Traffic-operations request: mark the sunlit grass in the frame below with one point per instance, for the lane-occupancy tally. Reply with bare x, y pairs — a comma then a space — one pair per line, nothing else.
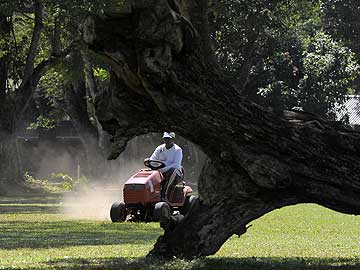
45, 240
33, 235
298, 231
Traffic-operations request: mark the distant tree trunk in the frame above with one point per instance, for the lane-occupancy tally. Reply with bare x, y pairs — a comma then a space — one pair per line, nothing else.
38, 27
9, 164
24, 94
257, 160
9, 167
94, 92
248, 51
56, 38
76, 108
5, 30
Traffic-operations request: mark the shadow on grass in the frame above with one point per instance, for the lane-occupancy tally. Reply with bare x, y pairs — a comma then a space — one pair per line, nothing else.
56, 198
207, 264
34, 209
20, 205
35, 230
20, 234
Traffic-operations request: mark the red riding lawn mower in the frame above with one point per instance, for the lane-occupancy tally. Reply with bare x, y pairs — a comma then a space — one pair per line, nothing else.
145, 201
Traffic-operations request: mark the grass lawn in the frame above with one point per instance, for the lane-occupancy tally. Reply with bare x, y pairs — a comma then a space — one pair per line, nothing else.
34, 235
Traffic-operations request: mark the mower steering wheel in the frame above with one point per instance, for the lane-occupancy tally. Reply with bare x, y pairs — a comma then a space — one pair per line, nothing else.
154, 164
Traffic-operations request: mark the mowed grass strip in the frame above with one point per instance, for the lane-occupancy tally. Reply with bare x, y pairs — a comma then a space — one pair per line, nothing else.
35, 236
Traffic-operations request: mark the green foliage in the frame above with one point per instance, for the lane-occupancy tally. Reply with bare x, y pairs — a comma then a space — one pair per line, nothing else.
81, 8
302, 16
32, 181
68, 182
50, 94
330, 71
293, 63
3, 45
42, 122
342, 20
101, 74
58, 182
238, 24
316, 74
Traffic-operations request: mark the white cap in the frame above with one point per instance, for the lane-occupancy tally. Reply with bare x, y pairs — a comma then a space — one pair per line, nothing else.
170, 135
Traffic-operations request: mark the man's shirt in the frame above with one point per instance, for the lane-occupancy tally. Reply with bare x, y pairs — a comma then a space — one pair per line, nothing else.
170, 157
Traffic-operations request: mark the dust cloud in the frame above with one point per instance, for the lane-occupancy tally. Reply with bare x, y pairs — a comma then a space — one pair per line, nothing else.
91, 203
94, 200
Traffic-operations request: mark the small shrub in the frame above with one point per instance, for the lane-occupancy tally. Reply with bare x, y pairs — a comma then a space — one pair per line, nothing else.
58, 182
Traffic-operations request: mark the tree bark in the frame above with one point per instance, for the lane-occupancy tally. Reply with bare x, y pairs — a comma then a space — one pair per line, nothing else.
9, 164
257, 160
38, 27
56, 38
5, 30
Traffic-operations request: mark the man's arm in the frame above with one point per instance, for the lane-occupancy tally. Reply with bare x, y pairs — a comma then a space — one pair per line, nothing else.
155, 155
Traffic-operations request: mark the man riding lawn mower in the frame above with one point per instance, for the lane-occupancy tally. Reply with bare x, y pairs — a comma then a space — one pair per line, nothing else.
157, 192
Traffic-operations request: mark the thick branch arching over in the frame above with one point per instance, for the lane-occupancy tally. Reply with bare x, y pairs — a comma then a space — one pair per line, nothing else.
259, 160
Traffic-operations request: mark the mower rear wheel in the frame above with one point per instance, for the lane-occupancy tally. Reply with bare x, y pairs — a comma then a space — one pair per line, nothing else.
118, 212
162, 211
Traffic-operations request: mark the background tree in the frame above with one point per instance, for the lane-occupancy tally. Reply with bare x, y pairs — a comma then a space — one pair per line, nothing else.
276, 47
341, 20
36, 37
19, 86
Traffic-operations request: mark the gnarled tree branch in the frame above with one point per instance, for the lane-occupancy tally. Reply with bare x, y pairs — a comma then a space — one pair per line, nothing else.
258, 160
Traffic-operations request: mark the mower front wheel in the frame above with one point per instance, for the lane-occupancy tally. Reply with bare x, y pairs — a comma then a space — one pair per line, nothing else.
118, 212
162, 211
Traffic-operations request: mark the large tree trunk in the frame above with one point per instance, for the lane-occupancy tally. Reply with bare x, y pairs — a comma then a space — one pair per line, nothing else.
257, 160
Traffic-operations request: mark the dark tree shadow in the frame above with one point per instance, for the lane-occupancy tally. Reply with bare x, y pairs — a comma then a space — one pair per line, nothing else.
34, 209
62, 233
30, 204
59, 234
263, 263
31, 199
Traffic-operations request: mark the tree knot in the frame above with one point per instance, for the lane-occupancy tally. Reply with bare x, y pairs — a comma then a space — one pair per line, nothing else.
225, 155
268, 172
